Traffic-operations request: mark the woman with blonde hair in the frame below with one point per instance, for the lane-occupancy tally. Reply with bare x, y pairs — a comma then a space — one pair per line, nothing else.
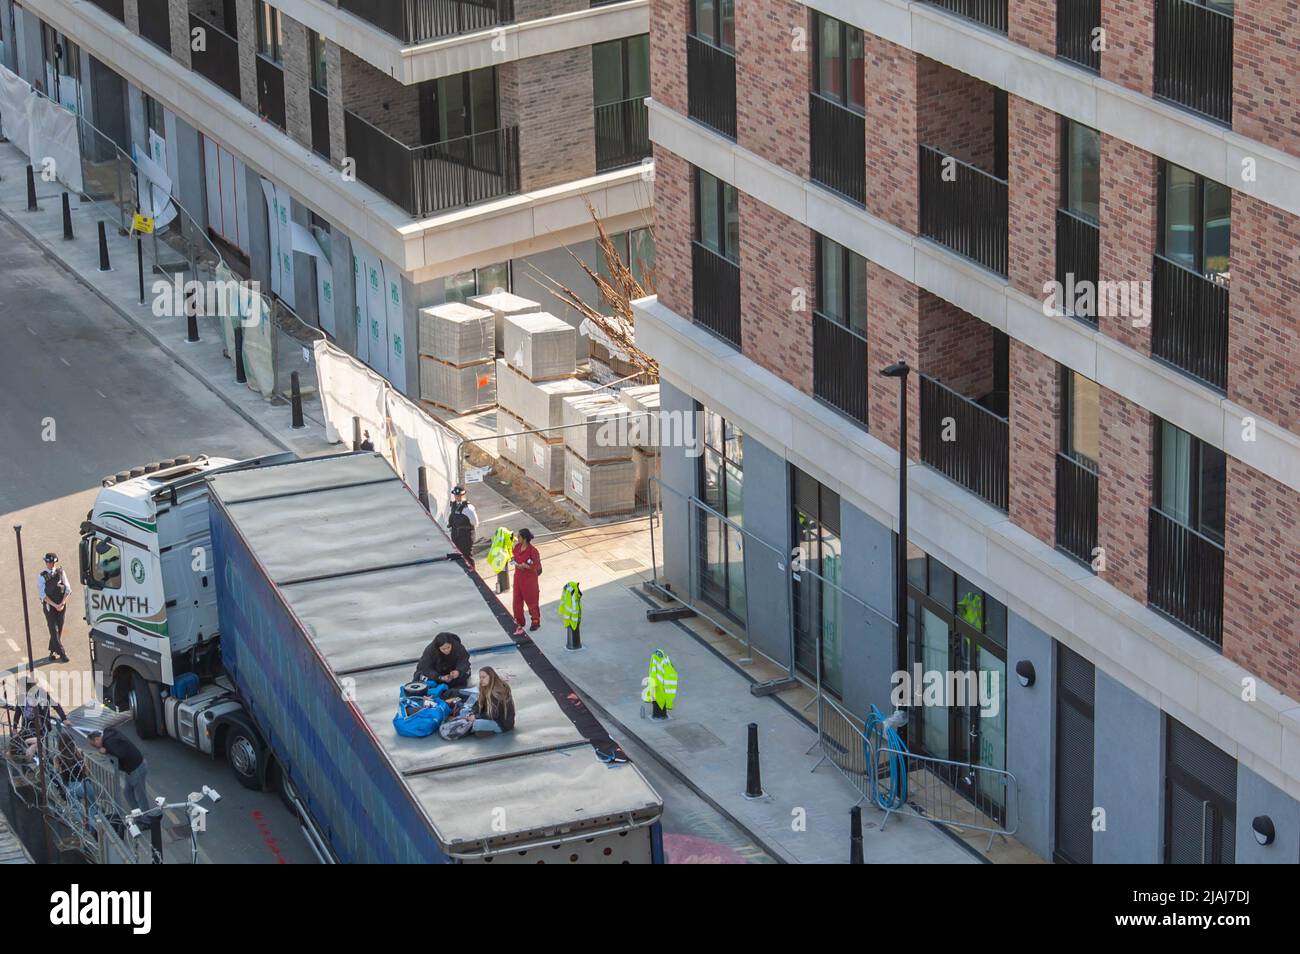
494, 707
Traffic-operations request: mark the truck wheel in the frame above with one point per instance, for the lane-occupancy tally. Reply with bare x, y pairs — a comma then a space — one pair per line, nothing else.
140, 698
245, 756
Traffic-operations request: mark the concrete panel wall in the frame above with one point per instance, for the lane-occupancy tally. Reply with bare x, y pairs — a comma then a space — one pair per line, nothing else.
1030, 732
868, 631
1257, 797
1128, 776
767, 516
345, 318
678, 473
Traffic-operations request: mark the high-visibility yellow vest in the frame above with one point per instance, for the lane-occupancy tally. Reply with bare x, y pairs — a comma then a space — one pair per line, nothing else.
503, 545
571, 605
661, 687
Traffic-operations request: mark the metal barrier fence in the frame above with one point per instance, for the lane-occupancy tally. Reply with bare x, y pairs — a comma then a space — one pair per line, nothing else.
78, 793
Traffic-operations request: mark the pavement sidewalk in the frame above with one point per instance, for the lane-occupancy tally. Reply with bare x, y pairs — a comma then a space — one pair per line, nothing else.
806, 816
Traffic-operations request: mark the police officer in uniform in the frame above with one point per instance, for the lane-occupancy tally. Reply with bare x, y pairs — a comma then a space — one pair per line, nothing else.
462, 521
54, 589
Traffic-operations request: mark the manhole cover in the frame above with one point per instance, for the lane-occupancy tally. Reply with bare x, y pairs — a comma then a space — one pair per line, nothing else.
692, 736
625, 564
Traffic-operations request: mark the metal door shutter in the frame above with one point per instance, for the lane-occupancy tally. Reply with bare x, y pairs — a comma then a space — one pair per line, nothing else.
1075, 693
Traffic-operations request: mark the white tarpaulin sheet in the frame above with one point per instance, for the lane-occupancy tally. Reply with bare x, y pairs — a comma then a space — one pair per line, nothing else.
53, 135
15, 109
155, 187
359, 288
259, 341
407, 436
349, 389
305, 242
273, 234
420, 441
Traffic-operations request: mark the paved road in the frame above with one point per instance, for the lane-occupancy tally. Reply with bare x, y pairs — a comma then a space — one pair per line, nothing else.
74, 370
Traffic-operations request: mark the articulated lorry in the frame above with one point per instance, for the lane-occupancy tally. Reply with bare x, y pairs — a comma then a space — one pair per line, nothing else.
269, 610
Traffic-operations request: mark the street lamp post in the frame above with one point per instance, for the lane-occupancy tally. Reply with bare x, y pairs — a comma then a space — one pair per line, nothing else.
899, 369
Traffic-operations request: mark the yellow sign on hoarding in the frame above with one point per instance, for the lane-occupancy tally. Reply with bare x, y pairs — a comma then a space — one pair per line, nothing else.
142, 223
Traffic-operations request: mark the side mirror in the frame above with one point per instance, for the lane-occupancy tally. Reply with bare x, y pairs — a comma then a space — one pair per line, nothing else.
83, 560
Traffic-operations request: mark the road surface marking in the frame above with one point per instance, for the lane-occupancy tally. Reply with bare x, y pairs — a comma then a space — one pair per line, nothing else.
65, 361
13, 647
101, 394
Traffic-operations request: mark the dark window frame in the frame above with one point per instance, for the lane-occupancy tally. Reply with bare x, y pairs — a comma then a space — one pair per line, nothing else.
270, 48
624, 44
719, 42
1065, 382
317, 63
1196, 466
721, 224
725, 462
1065, 139
1200, 184
846, 75
846, 291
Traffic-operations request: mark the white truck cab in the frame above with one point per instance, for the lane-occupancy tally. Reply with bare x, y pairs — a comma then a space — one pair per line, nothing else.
151, 602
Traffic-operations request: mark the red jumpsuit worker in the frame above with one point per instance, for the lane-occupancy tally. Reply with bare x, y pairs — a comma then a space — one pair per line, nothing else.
528, 567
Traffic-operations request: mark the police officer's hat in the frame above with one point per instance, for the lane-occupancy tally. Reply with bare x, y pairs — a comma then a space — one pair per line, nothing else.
457, 490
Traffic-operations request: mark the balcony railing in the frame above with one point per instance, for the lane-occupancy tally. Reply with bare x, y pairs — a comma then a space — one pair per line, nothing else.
155, 22
838, 148
715, 282
1193, 58
1076, 507
840, 367
964, 208
114, 8
711, 85
218, 61
320, 123
424, 180
965, 442
1185, 576
1078, 250
622, 133
415, 21
1076, 40
991, 13
270, 91
1189, 322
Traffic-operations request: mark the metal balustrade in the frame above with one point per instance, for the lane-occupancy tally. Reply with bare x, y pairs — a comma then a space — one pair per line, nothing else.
965, 442
964, 208
711, 85
715, 281
840, 367
838, 148
1189, 322
1076, 507
416, 21
1193, 58
1185, 576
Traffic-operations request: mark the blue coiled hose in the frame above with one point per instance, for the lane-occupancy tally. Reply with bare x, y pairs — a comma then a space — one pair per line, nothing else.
877, 735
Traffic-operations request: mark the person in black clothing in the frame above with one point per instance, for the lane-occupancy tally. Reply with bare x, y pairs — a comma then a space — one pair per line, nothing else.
130, 762
462, 521
366, 443
54, 589
444, 660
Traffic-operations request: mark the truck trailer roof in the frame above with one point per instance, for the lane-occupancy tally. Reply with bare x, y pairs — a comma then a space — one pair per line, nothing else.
371, 579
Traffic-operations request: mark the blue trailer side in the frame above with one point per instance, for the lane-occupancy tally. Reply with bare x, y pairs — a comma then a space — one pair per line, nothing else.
352, 793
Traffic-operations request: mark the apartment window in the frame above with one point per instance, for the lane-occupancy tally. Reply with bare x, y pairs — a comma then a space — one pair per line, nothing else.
153, 116
621, 69
1191, 481
1081, 170
452, 107
1080, 417
1195, 220
721, 542
842, 285
316, 52
270, 32
715, 21
717, 216
838, 71
463, 286
636, 249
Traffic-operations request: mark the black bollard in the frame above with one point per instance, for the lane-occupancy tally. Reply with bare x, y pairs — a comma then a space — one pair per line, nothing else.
573, 638
31, 191
103, 249
192, 315
240, 374
356, 433
424, 488
753, 784
855, 835
296, 387
139, 263
67, 219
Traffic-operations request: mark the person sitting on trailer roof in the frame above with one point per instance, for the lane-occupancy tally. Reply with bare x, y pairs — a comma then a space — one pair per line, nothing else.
445, 660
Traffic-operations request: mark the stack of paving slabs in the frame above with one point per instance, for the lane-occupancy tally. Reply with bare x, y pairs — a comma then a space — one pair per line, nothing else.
605, 351
599, 471
502, 304
512, 443
642, 401
457, 369
540, 346
539, 406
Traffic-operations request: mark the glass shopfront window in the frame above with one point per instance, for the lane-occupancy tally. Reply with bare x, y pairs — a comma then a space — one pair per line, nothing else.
817, 572
720, 543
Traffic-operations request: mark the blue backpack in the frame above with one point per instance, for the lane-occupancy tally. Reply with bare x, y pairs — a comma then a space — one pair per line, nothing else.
420, 716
